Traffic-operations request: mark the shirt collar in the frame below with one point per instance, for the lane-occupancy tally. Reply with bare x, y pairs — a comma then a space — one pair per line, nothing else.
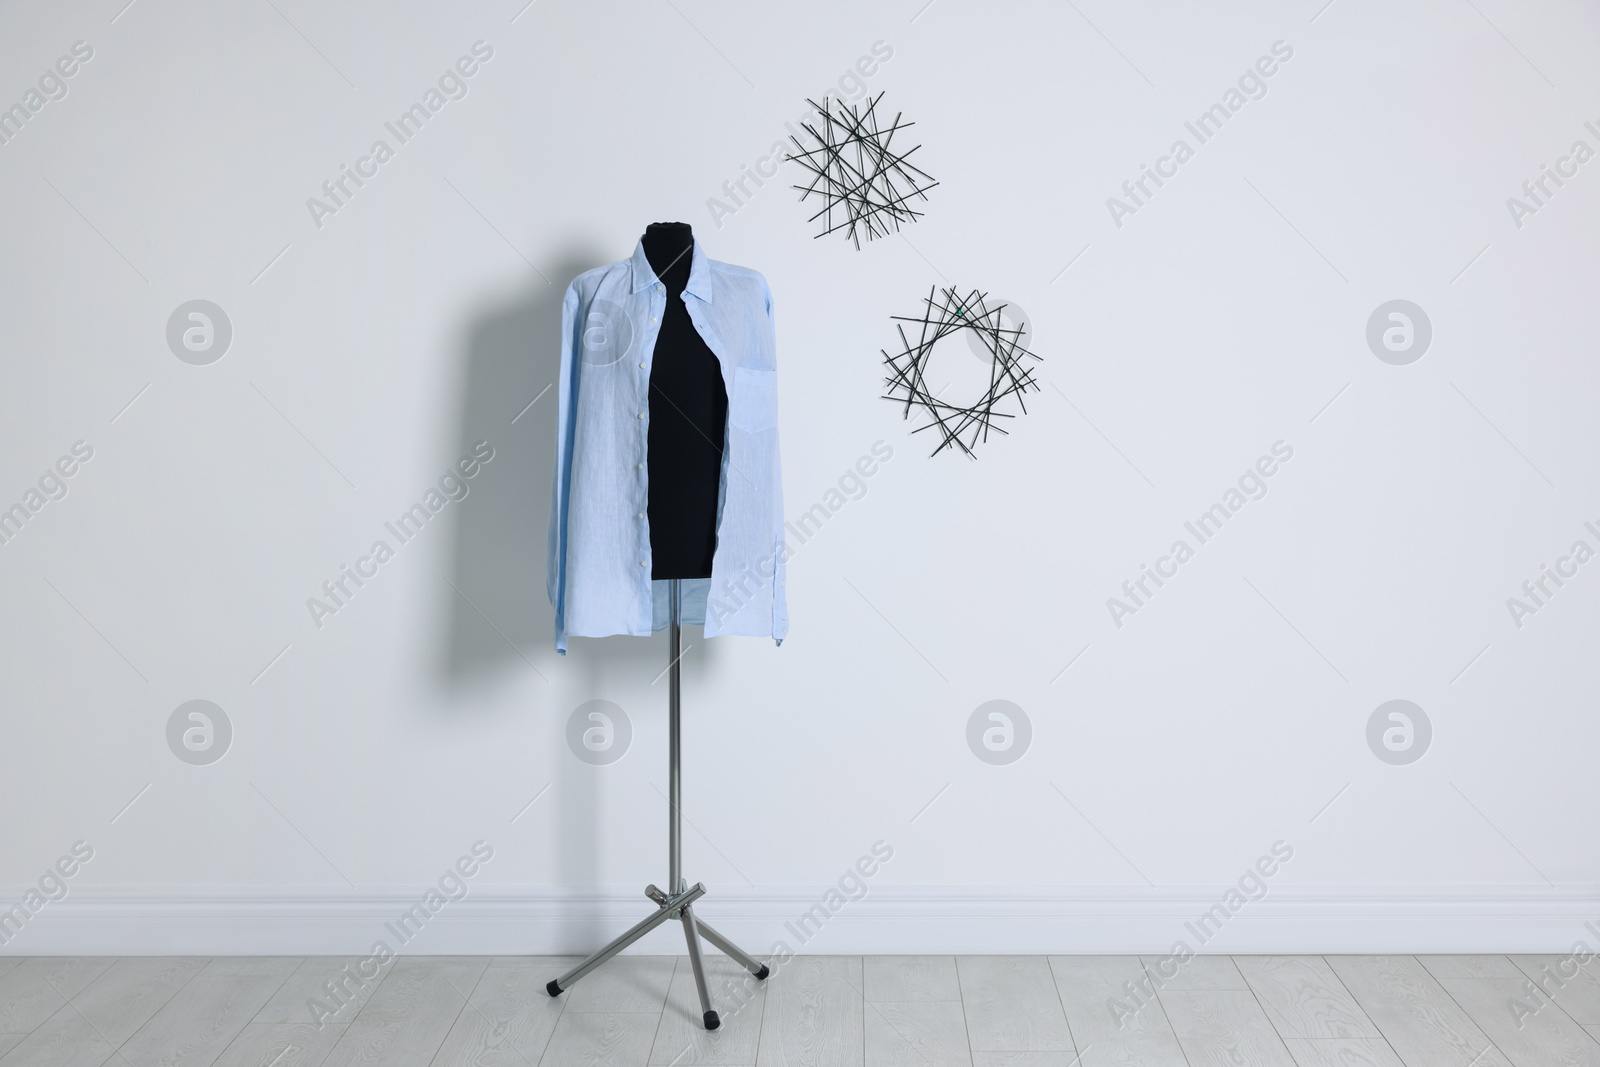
644, 275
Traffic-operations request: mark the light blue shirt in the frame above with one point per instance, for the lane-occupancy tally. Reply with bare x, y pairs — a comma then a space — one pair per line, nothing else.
599, 549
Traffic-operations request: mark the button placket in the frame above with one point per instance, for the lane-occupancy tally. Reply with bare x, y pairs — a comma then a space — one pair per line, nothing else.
644, 365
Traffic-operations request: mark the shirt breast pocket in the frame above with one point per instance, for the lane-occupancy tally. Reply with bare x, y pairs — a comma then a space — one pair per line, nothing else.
754, 405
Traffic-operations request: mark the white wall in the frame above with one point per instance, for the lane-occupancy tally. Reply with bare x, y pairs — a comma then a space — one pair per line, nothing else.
1227, 314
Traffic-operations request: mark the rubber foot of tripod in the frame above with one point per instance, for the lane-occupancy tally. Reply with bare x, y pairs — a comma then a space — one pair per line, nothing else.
763, 972
553, 988
712, 1022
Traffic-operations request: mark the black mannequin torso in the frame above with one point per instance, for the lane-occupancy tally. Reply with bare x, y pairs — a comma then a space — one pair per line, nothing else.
688, 416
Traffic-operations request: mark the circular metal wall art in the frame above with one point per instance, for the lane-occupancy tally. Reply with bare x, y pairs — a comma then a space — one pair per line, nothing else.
947, 312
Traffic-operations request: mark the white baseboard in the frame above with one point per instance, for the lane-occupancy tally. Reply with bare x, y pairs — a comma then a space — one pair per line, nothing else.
503, 920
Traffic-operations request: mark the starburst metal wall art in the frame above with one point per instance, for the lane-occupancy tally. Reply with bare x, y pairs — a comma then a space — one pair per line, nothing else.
865, 183
946, 313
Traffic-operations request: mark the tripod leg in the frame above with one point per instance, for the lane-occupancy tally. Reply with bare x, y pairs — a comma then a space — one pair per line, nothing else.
692, 935
559, 985
756, 968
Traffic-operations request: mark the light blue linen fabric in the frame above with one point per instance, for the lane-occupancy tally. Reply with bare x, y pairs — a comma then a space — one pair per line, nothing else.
599, 545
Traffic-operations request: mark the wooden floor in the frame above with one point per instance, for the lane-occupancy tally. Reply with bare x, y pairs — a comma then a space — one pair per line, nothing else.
819, 1011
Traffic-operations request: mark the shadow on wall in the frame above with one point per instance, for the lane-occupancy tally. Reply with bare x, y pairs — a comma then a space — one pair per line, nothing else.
501, 616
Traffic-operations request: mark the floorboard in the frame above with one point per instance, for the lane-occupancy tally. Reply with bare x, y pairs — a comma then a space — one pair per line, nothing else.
199, 1022
1012, 1004
916, 1033
1546, 1037
37, 988
409, 1015
289, 1044
813, 1014
509, 1018
814, 1011
1342, 1052
1223, 1027
895, 979
740, 1000
1420, 1020
601, 1039
1114, 1014
132, 990
1575, 987
1305, 999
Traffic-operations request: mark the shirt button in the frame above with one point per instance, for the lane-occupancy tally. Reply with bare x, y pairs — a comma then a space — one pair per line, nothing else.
641, 366
642, 563
641, 515
654, 319
641, 414
641, 466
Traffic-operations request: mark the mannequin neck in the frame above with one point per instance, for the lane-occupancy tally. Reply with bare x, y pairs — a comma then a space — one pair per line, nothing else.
668, 246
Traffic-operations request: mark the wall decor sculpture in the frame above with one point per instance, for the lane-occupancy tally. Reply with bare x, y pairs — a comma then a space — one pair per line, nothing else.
865, 183
946, 312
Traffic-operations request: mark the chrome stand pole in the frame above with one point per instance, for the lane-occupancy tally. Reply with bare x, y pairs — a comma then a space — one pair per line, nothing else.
674, 904
674, 741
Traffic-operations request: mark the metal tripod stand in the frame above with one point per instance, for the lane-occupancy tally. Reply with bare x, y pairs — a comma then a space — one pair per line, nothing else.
674, 905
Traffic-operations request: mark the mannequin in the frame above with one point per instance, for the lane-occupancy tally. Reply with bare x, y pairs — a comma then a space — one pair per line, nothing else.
688, 413
688, 419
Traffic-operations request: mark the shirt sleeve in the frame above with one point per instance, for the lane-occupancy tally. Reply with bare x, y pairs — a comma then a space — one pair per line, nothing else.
561, 482
780, 549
